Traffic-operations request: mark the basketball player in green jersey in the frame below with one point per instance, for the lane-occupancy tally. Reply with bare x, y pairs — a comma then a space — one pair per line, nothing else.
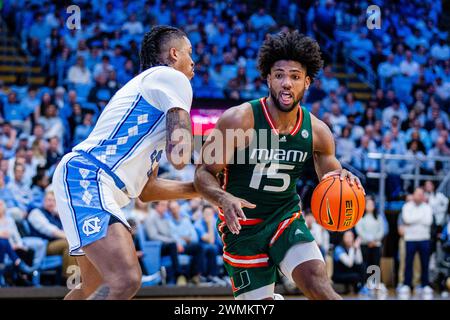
254, 184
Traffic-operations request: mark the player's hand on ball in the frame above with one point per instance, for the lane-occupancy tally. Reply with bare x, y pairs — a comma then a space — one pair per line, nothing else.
343, 173
232, 211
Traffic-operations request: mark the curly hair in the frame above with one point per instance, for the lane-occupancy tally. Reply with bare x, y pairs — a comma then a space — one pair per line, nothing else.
290, 46
155, 43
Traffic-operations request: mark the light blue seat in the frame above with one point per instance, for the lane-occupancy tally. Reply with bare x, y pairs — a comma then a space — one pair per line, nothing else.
151, 258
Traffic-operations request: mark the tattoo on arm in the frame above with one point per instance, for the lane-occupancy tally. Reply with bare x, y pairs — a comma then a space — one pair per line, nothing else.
101, 293
176, 119
179, 142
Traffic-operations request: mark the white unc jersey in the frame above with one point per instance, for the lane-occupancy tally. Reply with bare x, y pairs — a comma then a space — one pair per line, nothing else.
130, 134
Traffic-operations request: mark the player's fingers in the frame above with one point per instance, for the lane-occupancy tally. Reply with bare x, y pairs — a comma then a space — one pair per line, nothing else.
246, 204
231, 226
352, 179
236, 214
241, 214
233, 222
343, 174
358, 183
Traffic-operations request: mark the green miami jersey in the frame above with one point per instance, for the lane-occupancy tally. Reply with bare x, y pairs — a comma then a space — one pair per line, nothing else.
265, 173
273, 163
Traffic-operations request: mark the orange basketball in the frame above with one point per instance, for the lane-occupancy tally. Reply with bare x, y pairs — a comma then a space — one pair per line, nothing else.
336, 205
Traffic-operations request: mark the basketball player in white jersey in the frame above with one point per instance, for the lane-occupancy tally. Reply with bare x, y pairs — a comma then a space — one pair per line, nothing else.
118, 162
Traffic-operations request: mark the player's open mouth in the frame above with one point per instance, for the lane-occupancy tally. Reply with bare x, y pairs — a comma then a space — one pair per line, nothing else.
286, 97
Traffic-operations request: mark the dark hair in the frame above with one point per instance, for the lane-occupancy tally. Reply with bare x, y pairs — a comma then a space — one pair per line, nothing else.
207, 206
38, 177
153, 45
290, 46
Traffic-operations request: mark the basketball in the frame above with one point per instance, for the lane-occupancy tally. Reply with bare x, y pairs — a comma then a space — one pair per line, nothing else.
336, 205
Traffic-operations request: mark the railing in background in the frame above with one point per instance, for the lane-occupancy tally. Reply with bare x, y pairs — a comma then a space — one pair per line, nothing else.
363, 72
416, 176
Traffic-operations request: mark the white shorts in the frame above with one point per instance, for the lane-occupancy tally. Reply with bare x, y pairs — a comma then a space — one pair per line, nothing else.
86, 197
296, 255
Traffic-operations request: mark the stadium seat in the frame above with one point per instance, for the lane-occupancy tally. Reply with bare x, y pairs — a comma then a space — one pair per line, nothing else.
151, 258
50, 264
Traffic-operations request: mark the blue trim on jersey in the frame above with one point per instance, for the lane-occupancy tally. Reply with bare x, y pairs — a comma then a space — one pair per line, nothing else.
125, 116
118, 125
68, 196
136, 145
140, 120
85, 201
118, 182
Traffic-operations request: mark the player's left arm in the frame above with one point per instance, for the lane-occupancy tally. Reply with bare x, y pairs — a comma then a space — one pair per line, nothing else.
324, 149
157, 189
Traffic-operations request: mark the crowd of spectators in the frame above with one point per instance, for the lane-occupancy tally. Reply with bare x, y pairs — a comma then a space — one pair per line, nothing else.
408, 112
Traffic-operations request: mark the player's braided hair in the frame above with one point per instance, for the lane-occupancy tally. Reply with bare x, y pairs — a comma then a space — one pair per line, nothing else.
154, 44
290, 46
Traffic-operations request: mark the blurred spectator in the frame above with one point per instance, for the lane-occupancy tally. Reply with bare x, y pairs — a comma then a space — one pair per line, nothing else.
345, 146
133, 26
409, 66
337, 119
8, 197
45, 223
14, 114
193, 209
321, 236
83, 130
261, 22
438, 202
362, 47
31, 102
387, 70
348, 265
38, 186
53, 152
371, 232
52, 123
39, 150
329, 82
100, 92
210, 241
417, 216
19, 189
118, 59
331, 98
352, 106
360, 156
440, 50
396, 109
157, 226
104, 68
139, 212
9, 231
316, 92
79, 73
440, 149
184, 232
126, 73
8, 140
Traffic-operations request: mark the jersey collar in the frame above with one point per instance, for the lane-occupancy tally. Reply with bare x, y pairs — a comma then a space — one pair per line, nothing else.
271, 122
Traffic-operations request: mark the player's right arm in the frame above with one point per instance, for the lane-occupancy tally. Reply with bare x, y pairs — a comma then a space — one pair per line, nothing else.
206, 181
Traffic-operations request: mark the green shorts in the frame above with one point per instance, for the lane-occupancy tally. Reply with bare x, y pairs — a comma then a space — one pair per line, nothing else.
252, 257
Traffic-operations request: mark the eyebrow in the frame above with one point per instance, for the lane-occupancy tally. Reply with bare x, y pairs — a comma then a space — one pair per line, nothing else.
290, 70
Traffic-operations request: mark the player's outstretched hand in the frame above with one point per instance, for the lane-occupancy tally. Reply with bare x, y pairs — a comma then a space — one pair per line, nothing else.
232, 210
